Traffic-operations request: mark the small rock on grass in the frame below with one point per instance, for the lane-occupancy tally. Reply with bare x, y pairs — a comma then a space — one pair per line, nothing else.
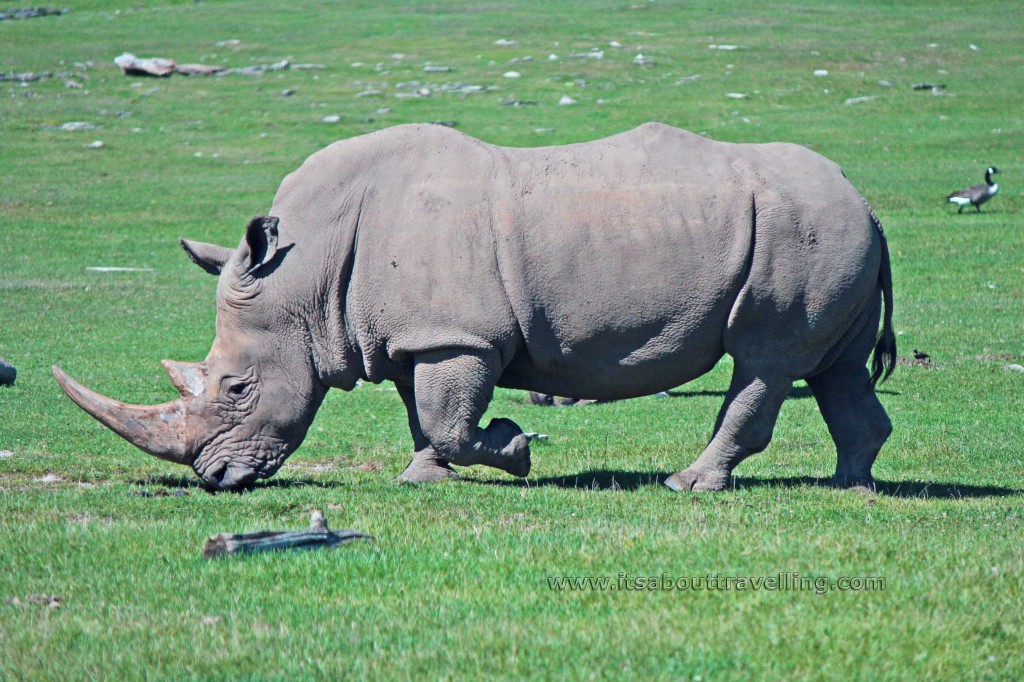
76, 126
7, 373
51, 600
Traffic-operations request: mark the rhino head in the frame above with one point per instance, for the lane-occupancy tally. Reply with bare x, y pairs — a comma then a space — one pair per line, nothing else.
247, 406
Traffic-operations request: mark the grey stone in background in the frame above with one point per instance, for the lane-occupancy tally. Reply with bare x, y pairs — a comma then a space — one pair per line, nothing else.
33, 12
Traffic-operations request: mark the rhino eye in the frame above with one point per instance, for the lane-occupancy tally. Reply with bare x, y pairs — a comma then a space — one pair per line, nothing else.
237, 389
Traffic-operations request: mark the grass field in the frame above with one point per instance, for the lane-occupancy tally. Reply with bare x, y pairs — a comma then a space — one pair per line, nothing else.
456, 585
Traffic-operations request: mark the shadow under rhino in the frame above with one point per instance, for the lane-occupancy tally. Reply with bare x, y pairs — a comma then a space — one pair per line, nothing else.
606, 479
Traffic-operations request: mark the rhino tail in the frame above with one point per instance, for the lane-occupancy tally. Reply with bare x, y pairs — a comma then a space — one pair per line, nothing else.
883, 361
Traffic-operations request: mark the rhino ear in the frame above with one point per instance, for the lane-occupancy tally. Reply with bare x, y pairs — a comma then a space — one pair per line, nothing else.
261, 238
209, 257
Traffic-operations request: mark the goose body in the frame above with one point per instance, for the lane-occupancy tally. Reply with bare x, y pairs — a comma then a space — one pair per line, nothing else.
976, 195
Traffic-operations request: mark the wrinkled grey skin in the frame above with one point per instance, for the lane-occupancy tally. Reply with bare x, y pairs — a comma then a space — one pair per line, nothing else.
606, 270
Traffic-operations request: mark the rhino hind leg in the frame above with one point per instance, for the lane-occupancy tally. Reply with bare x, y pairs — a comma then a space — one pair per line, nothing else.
744, 427
856, 420
452, 390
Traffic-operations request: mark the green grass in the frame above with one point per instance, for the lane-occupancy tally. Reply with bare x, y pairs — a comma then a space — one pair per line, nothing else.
455, 585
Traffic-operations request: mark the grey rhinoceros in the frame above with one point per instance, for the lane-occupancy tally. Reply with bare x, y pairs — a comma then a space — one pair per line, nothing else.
609, 269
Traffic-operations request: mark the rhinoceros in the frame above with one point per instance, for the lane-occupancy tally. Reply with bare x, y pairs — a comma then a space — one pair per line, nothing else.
608, 269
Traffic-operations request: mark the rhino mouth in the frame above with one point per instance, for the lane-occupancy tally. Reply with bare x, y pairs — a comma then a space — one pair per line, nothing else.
229, 477
237, 467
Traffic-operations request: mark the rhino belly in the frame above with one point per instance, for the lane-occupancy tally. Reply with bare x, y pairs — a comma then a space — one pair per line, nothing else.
618, 363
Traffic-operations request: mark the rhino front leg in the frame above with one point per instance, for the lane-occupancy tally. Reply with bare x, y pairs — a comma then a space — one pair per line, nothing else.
426, 466
452, 390
745, 425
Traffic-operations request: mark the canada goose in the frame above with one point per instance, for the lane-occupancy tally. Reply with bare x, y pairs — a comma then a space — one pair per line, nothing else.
976, 195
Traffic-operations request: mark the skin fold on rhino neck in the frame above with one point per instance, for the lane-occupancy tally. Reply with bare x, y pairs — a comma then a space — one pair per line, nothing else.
335, 352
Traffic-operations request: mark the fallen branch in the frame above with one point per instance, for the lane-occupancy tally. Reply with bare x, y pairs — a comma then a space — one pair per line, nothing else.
160, 67
317, 536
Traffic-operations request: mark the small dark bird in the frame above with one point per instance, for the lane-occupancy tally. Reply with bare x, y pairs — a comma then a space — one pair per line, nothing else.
918, 355
976, 195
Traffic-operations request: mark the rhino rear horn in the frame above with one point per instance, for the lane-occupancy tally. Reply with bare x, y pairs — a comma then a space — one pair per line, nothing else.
209, 257
188, 377
156, 429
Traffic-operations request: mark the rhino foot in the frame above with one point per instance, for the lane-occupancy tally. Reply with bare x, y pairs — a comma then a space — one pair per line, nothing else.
519, 463
514, 457
427, 467
695, 479
856, 484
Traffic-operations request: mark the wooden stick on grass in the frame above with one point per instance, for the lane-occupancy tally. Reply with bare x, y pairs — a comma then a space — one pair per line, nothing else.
317, 536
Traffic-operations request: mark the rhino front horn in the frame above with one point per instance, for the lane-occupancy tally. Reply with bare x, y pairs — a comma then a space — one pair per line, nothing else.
156, 429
